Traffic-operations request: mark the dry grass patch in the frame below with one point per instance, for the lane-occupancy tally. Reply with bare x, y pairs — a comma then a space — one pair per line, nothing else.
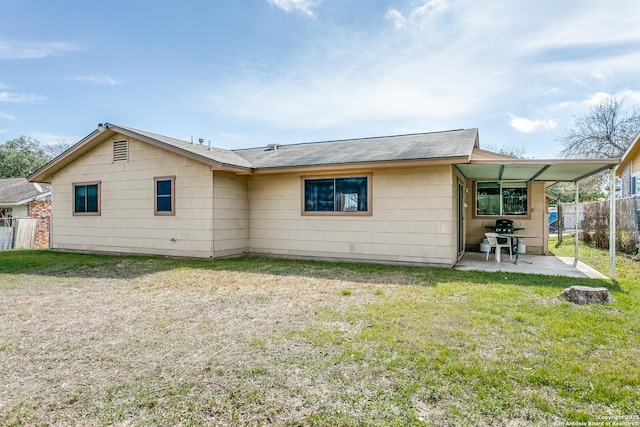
90, 340
211, 344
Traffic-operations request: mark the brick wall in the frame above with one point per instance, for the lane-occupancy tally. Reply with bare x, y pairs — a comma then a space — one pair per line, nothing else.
41, 209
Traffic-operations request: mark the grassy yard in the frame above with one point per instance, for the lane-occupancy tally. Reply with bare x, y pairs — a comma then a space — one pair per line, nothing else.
100, 340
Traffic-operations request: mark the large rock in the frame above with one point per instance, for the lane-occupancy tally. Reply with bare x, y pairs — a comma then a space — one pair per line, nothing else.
586, 295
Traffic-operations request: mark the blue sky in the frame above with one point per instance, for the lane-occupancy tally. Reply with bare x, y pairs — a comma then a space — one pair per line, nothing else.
246, 73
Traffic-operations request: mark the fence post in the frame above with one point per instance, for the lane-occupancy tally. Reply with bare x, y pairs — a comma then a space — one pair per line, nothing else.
560, 222
612, 223
575, 223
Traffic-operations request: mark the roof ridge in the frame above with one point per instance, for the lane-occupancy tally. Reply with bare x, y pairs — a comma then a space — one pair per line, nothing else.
368, 138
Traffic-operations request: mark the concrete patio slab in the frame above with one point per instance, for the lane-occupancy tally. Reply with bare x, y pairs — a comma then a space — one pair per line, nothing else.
540, 264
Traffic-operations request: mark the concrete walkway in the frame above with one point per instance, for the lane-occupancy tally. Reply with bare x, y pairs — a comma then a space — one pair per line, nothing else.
540, 264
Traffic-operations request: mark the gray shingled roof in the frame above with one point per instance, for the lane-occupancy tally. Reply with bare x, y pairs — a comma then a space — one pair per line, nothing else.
13, 190
423, 146
224, 157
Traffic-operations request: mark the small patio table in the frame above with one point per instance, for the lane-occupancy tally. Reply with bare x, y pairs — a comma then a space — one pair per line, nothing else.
515, 239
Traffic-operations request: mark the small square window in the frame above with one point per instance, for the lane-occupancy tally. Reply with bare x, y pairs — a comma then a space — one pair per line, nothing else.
164, 195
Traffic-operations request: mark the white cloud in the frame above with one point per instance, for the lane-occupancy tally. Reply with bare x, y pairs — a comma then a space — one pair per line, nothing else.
305, 6
19, 97
595, 99
419, 14
34, 50
601, 75
102, 79
394, 86
453, 64
396, 17
527, 125
631, 97
430, 8
6, 116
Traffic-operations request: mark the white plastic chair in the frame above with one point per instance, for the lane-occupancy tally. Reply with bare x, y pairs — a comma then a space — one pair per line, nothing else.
493, 240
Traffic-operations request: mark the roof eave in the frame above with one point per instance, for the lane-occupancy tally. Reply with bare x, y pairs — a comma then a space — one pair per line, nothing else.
631, 151
194, 156
45, 172
605, 162
28, 199
379, 164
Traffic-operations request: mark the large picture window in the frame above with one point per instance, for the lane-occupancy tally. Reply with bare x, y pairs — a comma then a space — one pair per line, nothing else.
86, 198
164, 195
344, 195
502, 198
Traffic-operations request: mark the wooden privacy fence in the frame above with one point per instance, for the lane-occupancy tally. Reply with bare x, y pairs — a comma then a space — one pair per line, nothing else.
594, 222
19, 233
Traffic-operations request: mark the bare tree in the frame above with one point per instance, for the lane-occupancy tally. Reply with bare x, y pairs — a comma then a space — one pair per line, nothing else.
605, 132
54, 149
506, 150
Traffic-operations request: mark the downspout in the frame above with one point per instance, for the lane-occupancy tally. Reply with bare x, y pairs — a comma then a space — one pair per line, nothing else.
612, 223
575, 223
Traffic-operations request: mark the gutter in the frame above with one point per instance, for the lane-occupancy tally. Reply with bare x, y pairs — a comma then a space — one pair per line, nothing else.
377, 164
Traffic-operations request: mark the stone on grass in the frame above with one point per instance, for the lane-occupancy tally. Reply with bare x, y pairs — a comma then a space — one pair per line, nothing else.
586, 295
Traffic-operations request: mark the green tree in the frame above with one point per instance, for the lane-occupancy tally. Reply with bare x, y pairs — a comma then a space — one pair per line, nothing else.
590, 190
20, 157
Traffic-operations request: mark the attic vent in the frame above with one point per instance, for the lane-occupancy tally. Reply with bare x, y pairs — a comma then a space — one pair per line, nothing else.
120, 151
272, 147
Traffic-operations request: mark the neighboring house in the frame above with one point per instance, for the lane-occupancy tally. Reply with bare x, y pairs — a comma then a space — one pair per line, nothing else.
420, 198
629, 170
21, 199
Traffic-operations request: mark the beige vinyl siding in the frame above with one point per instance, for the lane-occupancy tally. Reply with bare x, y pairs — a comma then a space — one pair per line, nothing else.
412, 219
231, 214
127, 223
535, 225
456, 179
635, 163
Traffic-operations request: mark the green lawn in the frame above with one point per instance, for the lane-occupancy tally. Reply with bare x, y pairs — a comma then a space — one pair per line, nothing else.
101, 340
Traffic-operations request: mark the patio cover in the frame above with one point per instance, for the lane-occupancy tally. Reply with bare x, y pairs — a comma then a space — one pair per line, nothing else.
552, 171
549, 170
